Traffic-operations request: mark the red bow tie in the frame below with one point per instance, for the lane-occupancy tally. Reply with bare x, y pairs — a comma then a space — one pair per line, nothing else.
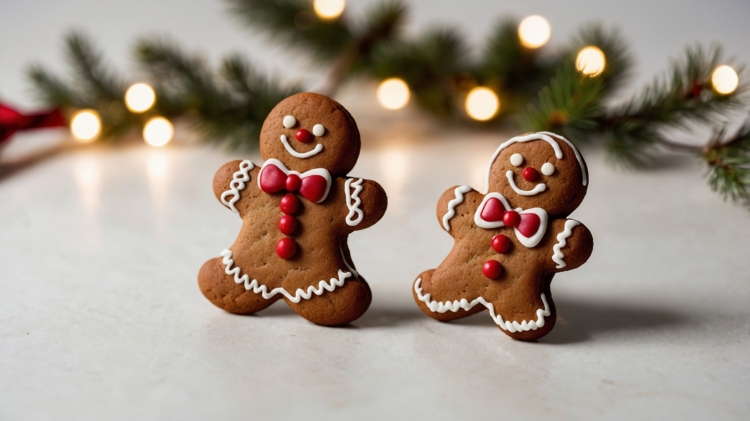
529, 225
313, 185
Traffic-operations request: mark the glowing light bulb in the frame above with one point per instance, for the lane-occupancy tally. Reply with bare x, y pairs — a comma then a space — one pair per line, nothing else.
534, 31
158, 131
393, 93
329, 9
725, 79
482, 104
140, 97
86, 126
590, 61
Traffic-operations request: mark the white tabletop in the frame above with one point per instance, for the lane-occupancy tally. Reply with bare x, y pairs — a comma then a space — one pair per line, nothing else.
101, 316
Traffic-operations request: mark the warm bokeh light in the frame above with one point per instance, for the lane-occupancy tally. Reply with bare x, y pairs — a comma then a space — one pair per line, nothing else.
86, 126
534, 31
393, 94
725, 80
591, 61
482, 104
329, 9
140, 97
158, 131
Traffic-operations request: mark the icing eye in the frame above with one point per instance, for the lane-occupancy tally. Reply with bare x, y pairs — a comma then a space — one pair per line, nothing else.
289, 122
548, 169
319, 130
516, 159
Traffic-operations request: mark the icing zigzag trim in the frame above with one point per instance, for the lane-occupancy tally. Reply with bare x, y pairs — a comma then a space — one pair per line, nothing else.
454, 306
459, 192
257, 288
239, 178
562, 238
353, 205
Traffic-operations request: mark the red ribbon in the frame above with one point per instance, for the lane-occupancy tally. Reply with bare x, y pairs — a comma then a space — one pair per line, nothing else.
12, 121
313, 185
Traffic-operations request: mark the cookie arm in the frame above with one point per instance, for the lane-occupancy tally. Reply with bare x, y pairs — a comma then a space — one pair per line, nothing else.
572, 245
234, 182
456, 207
365, 202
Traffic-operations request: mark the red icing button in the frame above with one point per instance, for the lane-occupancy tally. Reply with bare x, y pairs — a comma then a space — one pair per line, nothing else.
500, 243
530, 174
511, 218
491, 268
289, 204
303, 135
286, 248
293, 182
288, 224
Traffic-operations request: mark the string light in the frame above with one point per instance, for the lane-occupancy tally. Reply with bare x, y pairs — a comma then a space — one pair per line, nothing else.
329, 9
86, 126
534, 31
482, 104
725, 80
158, 131
590, 61
140, 97
393, 94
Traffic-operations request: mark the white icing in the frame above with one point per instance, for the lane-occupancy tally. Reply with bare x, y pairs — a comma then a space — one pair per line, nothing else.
529, 242
459, 193
454, 306
562, 238
302, 155
348, 266
353, 201
289, 121
239, 178
317, 171
536, 190
319, 130
299, 294
516, 159
547, 137
548, 169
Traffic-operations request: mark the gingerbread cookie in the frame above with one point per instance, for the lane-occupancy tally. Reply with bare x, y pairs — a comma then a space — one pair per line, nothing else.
298, 209
511, 241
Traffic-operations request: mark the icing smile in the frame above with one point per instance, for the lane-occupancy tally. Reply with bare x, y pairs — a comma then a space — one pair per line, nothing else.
536, 190
318, 148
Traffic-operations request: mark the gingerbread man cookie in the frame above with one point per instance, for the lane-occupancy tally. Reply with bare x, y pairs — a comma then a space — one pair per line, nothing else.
511, 241
298, 209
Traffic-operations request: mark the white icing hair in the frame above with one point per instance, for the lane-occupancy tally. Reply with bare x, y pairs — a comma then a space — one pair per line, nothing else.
547, 137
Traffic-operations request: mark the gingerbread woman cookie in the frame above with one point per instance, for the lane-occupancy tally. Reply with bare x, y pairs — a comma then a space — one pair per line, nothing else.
298, 209
511, 241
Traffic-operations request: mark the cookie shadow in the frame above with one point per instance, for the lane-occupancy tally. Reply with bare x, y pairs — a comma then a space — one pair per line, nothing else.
389, 317
581, 320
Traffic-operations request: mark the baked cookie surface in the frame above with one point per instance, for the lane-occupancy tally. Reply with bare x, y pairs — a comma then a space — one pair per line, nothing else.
297, 208
510, 241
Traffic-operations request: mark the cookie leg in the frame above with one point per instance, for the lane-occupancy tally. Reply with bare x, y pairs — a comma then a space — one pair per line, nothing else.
224, 293
421, 288
340, 306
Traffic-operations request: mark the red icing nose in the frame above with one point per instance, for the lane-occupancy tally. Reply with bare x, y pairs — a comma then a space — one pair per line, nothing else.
530, 174
303, 135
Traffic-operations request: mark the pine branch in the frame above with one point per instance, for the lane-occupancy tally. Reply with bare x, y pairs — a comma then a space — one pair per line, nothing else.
93, 86
570, 104
294, 22
230, 107
433, 67
729, 164
619, 59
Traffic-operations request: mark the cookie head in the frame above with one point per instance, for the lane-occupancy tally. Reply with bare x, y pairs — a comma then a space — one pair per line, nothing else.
307, 131
540, 170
